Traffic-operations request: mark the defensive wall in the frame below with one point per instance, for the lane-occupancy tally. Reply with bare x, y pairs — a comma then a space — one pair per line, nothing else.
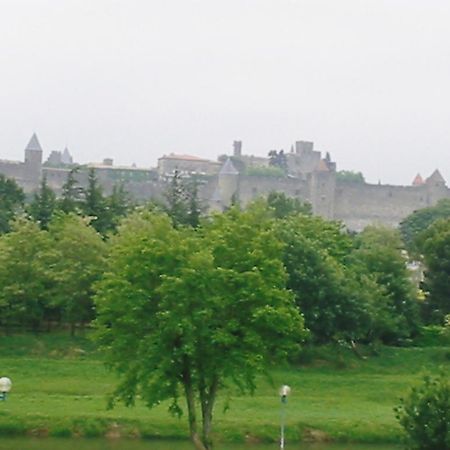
308, 177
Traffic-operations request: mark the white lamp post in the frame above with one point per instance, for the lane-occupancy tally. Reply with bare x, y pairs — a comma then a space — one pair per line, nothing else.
285, 390
5, 387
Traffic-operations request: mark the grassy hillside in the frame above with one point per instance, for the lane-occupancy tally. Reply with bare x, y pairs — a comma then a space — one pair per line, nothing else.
60, 386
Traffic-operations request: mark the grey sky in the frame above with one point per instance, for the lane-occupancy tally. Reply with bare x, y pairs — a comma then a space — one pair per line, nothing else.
366, 80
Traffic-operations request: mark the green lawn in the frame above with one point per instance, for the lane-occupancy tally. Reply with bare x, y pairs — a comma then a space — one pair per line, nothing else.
60, 386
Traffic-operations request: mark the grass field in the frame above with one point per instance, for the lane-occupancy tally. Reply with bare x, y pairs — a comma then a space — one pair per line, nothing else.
60, 386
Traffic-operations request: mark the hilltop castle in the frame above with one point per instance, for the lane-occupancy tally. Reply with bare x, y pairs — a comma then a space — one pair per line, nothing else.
306, 174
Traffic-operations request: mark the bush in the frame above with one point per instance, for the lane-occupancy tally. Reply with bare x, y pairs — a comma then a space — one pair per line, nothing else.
425, 414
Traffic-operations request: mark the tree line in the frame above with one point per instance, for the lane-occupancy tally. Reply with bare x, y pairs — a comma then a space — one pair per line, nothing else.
185, 302
350, 287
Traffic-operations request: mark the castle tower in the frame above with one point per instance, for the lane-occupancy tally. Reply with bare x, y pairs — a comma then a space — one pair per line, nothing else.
33, 164
322, 185
227, 183
436, 188
237, 148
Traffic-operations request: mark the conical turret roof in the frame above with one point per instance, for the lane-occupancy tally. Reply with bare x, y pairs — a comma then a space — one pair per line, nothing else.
34, 144
418, 180
228, 168
436, 178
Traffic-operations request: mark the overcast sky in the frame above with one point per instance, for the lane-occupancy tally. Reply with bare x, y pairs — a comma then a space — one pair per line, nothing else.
366, 80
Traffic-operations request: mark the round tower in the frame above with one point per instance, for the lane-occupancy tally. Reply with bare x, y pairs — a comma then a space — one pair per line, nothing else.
33, 164
227, 183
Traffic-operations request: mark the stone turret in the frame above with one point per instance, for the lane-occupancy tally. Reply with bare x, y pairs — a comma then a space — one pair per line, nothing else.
435, 179
33, 164
227, 183
436, 188
237, 148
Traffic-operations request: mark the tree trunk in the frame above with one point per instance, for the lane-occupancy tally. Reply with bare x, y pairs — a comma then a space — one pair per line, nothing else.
190, 400
207, 404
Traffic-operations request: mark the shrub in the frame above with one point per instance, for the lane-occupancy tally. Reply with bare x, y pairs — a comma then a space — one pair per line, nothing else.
425, 414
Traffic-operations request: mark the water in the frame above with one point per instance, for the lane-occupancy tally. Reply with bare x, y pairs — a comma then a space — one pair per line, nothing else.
122, 444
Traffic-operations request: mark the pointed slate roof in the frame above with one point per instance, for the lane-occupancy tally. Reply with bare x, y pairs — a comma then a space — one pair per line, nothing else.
34, 144
228, 168
436, 177
418, 180
66, 157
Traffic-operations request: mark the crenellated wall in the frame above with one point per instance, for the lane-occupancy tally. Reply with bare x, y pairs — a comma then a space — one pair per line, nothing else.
361, 204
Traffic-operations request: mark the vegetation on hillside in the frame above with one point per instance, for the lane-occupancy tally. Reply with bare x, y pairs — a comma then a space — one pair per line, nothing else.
172, 289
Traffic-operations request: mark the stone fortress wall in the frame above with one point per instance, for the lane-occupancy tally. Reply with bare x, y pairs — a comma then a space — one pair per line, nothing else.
310, 177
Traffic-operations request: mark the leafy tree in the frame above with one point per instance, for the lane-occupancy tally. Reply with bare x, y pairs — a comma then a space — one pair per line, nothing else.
329, 236
42, 207
183, 205
25, 277
284, 206
350, 176
176, 198
194, 207
326, 293
94, 205
378, 252
175, 301
262, 171
118, 205
278, 159
420, 220
71, 194
425, 414
11, 200
78, 264
434, 243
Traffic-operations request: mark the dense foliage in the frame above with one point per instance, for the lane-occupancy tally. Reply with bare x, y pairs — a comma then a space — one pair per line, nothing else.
176, 289
420, 220
11, 200
350, 176
434, 244
425, 414
174, 301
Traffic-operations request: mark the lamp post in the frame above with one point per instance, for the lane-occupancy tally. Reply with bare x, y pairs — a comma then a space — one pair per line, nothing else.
5, 387
285, 390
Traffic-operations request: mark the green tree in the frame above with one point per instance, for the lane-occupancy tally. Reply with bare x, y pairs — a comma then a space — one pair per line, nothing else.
71, 193
177, 198
43, 206
420, 220
25, 275
78, 264
284, 206
94, 205
278, 159
350, 176
425, 414
326, 292
434, 243
379, 253
182, 313
118, 206
194, 206
11, 200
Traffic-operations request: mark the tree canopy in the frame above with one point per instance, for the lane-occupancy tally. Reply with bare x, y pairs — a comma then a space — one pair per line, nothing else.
174, 301
11, 199
350, 176
434, 243
43, 206
420, 220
